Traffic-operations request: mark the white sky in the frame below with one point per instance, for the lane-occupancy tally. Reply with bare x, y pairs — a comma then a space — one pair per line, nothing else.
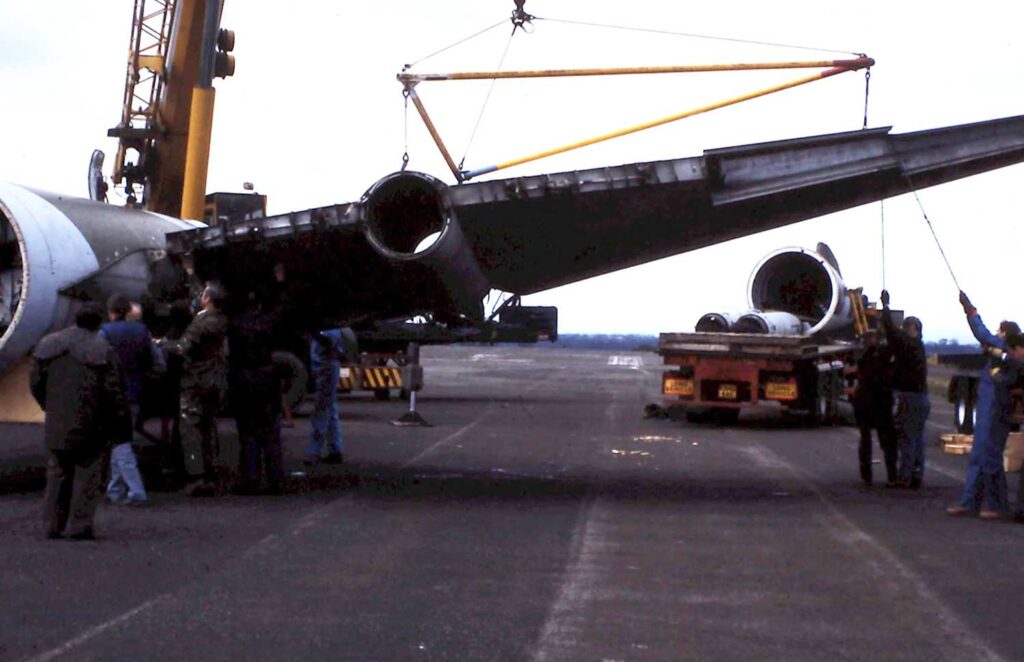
314, 116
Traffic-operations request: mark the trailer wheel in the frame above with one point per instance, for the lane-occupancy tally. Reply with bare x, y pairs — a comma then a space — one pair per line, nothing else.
963, 408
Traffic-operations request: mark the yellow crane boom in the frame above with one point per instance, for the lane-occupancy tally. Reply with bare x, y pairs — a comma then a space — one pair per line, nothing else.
170, 43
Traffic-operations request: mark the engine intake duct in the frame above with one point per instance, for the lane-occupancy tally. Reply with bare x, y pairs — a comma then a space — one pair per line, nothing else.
772, 323
717, 322
409, 222
803, 284
56, 251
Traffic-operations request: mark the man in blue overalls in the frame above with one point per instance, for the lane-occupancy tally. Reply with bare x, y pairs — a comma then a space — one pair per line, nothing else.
985, 483
325, 355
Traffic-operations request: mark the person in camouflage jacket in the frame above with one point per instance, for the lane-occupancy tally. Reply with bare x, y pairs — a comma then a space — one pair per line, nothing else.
203, 383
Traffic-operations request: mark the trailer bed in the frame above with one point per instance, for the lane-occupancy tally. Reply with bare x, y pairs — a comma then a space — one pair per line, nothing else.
749, 345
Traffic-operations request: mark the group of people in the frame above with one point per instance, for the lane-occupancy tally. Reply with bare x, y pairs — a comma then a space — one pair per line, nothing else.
891, 398
90, 379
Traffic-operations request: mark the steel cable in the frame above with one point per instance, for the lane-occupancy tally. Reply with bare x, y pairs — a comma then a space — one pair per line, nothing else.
457, 43
935, 236
487, 98
695, 36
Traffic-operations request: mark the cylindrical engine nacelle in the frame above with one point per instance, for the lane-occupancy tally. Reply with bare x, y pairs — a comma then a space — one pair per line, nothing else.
804, 284
717, 322
771, 323
408, 220
56, 251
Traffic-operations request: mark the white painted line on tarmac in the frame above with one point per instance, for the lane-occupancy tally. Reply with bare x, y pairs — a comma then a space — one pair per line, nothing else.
563, 624
450, 438
95, 631
847, 531
581, 578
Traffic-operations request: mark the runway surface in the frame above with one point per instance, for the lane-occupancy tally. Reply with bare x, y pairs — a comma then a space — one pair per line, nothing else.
541, 517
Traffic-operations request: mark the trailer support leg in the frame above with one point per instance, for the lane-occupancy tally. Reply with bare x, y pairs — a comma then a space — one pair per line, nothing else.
414, 382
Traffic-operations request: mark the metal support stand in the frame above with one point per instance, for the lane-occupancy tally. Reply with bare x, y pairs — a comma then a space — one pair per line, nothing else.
412, 417
414, 382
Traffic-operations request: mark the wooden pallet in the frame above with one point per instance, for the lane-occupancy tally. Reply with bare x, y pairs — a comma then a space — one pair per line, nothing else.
956, 444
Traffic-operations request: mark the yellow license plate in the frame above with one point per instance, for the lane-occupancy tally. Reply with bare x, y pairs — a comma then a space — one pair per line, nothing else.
780, 391
678, 387
727, 392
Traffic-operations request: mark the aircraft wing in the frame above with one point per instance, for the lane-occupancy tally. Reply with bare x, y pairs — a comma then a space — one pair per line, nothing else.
413, 244
538, 232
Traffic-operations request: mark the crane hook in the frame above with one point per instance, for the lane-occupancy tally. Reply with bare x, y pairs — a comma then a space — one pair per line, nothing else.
519, 15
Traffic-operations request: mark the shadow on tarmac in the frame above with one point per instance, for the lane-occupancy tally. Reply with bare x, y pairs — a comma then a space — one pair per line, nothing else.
368, 481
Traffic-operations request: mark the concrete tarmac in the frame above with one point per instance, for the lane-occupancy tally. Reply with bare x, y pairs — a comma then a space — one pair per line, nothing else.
541, 517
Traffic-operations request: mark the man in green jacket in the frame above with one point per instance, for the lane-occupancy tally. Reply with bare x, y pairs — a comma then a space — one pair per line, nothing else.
203, 383
76, 380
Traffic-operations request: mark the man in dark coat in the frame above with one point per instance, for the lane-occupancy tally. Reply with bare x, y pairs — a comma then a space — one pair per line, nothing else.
76, 381
910, 391
872, 407
255, 398
203, 382
1012, 362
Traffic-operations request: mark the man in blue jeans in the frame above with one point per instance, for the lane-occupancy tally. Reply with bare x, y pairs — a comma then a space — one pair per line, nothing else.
910, 393
137, 356
985, 490
326, 352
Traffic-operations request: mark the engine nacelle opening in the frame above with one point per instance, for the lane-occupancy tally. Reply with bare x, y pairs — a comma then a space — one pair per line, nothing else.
57, 250
803, 284
408, 220
717, 322
12, 275
403, 212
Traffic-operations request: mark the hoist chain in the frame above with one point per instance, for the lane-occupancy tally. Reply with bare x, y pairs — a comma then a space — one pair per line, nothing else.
405, 154
881, 206
867, 90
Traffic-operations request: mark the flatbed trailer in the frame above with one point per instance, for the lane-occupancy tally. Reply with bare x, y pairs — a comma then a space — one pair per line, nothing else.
716, 375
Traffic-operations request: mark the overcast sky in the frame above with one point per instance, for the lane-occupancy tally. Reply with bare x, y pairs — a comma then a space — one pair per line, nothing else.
314, 116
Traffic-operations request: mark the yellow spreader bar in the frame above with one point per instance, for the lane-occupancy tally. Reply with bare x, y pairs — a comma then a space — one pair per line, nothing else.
664, 120
858, 63
409, 80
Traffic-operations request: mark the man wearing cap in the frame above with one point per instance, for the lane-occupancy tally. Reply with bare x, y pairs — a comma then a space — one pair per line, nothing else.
910, 393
